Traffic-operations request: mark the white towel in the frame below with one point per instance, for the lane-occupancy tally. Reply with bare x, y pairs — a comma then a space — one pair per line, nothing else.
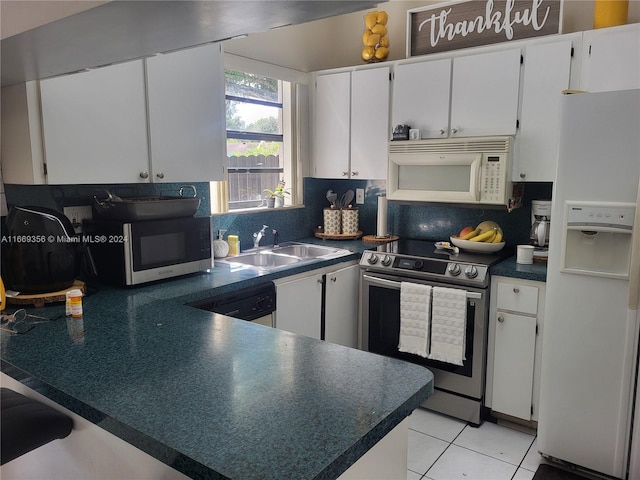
448, 325
415, 301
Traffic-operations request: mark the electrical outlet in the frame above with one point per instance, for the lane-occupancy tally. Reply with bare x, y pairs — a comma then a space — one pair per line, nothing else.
77, 214
360, 196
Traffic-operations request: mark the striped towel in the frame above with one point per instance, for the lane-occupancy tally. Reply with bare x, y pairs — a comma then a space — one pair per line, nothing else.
448, 325
415, 302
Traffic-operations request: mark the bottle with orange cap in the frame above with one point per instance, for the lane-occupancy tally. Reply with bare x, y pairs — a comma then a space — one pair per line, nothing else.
3, 295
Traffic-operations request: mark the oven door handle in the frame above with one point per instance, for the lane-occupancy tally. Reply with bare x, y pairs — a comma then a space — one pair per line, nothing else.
394, 284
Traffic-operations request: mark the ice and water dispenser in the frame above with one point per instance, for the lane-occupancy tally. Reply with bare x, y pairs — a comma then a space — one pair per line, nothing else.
598, 238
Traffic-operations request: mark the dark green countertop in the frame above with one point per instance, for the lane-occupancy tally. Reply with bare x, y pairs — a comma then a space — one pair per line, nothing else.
210, 395
509, 268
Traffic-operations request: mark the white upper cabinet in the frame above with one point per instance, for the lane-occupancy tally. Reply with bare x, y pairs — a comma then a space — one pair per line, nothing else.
94, 125
186, 115
474, 95
421, 94
546, 74
21, 143
352, 124
155, 120
370, 132
333, 120
484, 94
611, 59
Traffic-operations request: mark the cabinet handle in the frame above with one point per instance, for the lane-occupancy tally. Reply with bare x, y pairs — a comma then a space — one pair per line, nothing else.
516, 290
522, 174
144, 174
354, 174
501, 319
454, 131
160, 175
345, 174
443, 131
333, 279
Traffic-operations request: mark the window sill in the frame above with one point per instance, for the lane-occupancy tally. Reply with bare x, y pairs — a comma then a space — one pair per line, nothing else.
257, 210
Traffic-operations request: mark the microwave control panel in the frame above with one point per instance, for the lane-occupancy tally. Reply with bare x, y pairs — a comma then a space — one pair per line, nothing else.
492, 178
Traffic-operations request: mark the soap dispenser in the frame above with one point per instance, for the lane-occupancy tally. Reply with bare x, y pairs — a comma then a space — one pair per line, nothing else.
220, 247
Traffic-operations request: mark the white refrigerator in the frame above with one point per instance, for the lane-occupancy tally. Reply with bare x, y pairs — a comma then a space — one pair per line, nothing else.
591, 323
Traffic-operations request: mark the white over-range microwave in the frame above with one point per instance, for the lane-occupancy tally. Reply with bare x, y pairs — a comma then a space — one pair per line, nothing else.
472, 170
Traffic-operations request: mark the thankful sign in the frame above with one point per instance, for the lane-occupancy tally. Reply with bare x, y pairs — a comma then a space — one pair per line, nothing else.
455, 25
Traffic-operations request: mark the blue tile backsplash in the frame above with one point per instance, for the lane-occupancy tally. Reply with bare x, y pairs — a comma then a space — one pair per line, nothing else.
407, 220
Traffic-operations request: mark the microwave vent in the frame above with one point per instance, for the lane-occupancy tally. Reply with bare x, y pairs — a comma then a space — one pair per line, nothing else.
453, 145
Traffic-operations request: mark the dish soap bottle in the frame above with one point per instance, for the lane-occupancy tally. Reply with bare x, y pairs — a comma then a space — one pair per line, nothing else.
234, 244
220, 247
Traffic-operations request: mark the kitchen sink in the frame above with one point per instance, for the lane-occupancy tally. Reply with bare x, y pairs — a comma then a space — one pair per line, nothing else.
284, 255
303, 250
264, 259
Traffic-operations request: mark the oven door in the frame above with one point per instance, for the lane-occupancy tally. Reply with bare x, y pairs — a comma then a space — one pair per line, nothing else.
380, 333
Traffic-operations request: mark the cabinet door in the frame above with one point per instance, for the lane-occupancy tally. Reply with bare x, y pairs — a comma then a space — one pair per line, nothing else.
513, 364
546, 74
612, 59
370, 131
187, 115
341, 306
299, 304
95, 126
421, 94
332, 128
484, 96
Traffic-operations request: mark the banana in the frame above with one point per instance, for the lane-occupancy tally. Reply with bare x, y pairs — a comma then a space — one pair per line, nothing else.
470, 234
484, 237
498, 237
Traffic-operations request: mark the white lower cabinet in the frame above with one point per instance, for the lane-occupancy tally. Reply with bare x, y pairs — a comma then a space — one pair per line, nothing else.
299, 304
514, 351
304, 307
341, 306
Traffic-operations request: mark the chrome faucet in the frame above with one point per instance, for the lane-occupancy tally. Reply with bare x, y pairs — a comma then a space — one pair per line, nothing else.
258, 236
276, 238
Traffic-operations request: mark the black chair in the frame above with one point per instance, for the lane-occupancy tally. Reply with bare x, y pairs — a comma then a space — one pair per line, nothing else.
26, 424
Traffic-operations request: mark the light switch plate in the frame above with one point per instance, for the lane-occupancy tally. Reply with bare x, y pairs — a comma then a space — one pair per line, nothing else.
359, 196
77, 214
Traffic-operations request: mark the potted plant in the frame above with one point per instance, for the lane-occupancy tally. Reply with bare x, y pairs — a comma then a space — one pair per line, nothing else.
275, 198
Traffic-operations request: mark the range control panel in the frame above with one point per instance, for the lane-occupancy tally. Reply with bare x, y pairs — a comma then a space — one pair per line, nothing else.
447, 271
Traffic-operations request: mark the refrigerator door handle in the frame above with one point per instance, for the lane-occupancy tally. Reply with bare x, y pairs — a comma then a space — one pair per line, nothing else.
634, 267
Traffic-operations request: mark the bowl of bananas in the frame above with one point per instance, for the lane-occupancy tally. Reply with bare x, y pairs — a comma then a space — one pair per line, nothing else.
487, 237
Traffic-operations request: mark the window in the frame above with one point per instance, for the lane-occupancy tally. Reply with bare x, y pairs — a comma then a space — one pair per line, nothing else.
257, 137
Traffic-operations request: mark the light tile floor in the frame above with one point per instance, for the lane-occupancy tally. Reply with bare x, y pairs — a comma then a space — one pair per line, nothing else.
444, 448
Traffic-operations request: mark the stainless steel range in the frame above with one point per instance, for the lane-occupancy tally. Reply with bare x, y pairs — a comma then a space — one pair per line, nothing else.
458, 389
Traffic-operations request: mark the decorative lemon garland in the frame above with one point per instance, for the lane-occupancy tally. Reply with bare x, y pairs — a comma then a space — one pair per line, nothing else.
374, 38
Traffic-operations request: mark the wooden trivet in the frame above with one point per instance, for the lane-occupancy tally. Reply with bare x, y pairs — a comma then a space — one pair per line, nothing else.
339, 236
39, 299
378, 240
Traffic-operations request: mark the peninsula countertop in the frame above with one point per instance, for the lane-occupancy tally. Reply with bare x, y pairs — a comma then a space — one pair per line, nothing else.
205, 393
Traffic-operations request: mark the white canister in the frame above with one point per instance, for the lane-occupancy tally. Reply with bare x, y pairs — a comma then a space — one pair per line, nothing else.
524, 254
349, 221
332, 222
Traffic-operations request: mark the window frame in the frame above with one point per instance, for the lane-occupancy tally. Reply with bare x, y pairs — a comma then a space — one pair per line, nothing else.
295, 113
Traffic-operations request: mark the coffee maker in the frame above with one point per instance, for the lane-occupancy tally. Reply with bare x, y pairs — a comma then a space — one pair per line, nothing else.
540, 223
